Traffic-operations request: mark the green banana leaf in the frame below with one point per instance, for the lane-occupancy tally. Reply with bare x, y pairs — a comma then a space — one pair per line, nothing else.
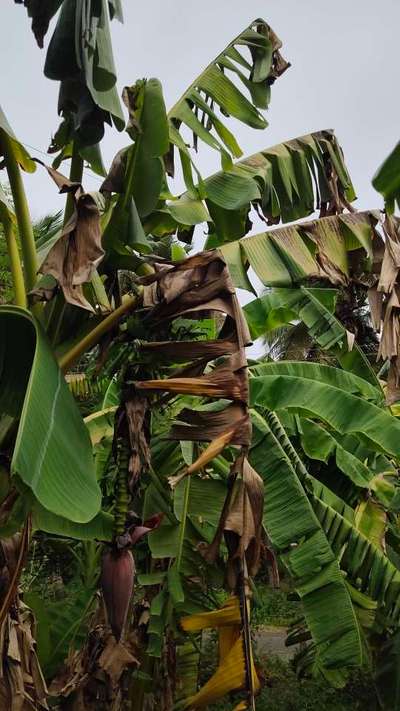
365, 563
61, 625
138, 172
286, 182
315, 308
343, 412
306, 553
346, 381
213, 88
41, 14
319, 443
52, 454
20, 153
63, 143
288, 256
100, 528
387, 179
80, 56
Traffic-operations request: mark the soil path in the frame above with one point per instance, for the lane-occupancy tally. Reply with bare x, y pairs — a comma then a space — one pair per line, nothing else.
271, 640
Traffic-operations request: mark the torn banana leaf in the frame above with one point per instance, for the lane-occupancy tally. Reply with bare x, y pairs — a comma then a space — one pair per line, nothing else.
253, 58
368, 568
345, 413
292, 255
284, 183
74, 253
307, 554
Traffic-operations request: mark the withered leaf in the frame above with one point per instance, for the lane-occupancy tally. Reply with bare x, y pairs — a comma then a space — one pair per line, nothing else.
22, 686
220, 382
241, 520
206, 426
74, 257
136, 408
114, 659
181, 351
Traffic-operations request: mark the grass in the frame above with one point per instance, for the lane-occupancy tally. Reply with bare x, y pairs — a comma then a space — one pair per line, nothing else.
283, 691
272, 607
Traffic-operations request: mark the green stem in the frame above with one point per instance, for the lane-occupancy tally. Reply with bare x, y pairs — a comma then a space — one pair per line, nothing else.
15, 266
75, 175
122, 496
25, 230
91, 339
182, 528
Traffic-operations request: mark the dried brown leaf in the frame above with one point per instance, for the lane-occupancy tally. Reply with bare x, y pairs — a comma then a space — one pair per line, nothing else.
76, 254
114, 659
206, 426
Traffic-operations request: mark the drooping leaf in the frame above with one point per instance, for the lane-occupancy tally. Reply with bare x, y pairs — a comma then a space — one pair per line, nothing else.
72, 254
41, 13
99, 528
80, 56
344, 412
52, 454
307, 555
285, 182
290, 256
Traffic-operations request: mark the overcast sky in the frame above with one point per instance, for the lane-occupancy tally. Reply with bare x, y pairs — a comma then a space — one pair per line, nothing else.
344, 75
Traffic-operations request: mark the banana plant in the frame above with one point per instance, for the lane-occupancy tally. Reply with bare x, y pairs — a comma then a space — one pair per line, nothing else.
165, 467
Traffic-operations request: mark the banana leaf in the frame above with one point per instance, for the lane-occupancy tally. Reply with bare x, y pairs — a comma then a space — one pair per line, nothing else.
20, 153
387, 179
343, 412
80, 56
137, 173
100, 528
306, 553
319, 443
52, 454
346, 381
41, 14
366, 565
289, 256
315, 308
285, 182
213, 89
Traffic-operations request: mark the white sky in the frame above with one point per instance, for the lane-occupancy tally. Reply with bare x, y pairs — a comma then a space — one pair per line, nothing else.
344, 75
